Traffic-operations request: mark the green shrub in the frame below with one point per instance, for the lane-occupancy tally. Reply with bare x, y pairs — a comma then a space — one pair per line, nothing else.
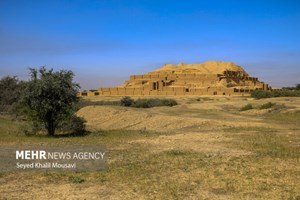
290, 93
147, 103
267, 105
260, 94
143, 103
76, 179
246, 107
127, 101
177, 152
153, 102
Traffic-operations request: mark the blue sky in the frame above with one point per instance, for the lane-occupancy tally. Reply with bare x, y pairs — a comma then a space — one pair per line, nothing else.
105, 41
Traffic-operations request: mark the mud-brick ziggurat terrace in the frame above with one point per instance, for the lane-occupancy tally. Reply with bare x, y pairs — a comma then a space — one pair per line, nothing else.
208, 78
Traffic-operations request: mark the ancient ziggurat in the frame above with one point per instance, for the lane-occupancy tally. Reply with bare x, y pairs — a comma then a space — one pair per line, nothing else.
208, 78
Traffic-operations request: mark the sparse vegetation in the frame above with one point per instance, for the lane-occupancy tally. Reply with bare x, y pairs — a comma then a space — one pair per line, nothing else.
260, 94
246, 107
265, 142
147, 103
76, 179
267, 105
130, 102
177, 152
234, 160
203, 99
287, 118
153, 102
127, 101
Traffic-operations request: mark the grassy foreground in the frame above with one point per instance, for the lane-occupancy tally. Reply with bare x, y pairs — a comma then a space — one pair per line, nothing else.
266, 166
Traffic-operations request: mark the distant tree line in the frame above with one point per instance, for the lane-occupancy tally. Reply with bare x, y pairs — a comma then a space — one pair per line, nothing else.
297, 87
10, 93
285, 92
48, 101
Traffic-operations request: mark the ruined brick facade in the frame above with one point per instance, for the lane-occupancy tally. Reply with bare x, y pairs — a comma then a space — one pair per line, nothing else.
209, 78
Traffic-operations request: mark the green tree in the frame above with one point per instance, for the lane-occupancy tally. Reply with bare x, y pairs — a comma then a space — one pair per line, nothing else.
51, 97
10, 92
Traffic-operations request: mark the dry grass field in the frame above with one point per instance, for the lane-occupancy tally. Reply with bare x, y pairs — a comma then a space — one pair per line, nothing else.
203, 148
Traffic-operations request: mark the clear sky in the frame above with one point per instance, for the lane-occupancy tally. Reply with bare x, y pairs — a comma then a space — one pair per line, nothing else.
105, 41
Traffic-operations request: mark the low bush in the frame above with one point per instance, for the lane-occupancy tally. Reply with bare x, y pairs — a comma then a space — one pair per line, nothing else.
246, 107
260, 94
153, 102
76, 179
147, 103
127, 101
267, 105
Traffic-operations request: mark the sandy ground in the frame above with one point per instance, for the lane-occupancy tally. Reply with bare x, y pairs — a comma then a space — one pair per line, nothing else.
165, 119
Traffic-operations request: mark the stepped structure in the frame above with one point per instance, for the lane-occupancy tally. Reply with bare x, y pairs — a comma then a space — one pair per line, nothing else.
208, 78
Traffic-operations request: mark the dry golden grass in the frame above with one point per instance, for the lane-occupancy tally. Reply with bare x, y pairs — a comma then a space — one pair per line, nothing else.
204, 148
